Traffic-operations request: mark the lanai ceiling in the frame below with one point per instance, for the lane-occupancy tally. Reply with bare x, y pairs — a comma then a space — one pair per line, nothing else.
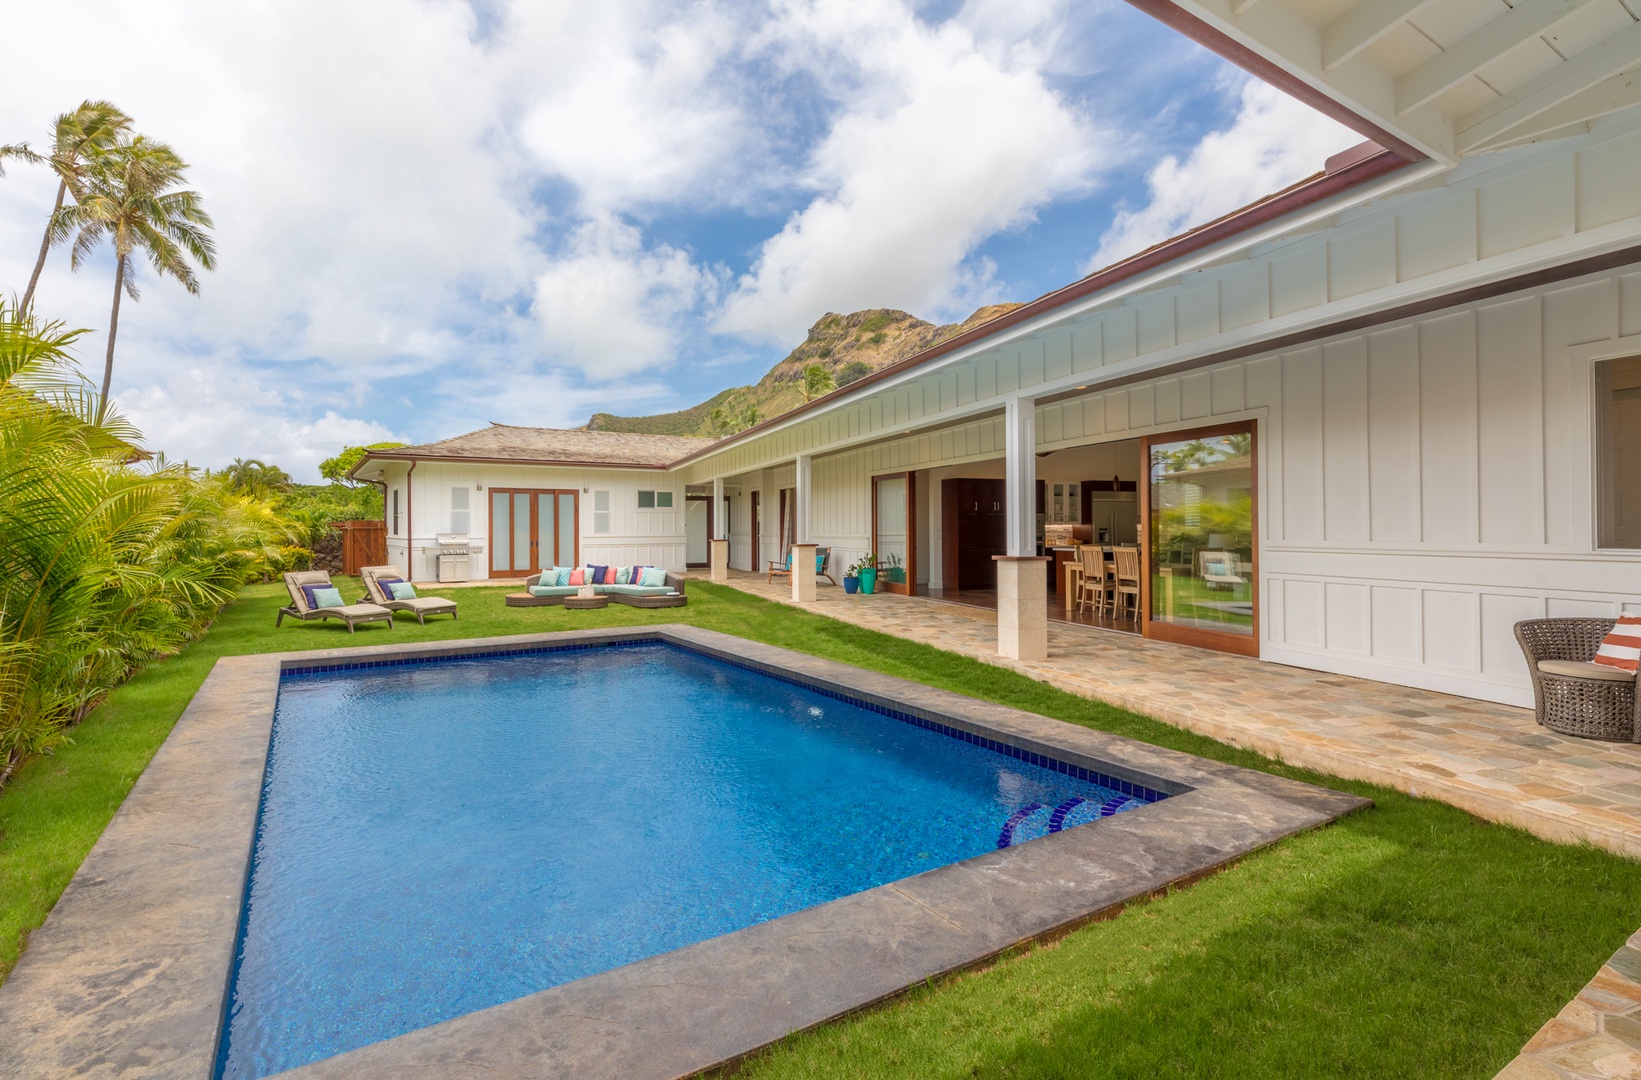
1448, 78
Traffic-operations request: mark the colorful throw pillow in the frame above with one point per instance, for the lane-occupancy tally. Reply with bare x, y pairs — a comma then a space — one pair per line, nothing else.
324, 598
597, 576
1621, 648
623, 575
654, 576
402, 590
578, 576
308, 592
560, 576
386, 584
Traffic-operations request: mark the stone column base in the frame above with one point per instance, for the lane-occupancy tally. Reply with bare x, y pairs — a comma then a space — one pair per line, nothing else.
720, 560
1022, 606
803, 573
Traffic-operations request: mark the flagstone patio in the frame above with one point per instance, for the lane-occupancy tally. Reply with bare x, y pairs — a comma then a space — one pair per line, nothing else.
1489, 759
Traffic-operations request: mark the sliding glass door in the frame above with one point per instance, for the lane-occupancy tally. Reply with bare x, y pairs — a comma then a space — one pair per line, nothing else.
894, 532
1201, 586
532, 529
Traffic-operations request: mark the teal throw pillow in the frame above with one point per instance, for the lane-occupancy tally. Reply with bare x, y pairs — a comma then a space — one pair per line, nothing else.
402, 590
653, 576
328, 598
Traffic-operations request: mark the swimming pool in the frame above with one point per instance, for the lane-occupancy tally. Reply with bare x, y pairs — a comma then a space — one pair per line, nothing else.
440, 837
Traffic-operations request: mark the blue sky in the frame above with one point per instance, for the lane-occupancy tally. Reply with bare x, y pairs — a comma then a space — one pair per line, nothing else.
435, 213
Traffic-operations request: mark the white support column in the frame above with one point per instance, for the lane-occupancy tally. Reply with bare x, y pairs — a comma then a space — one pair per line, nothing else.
719, 545
1020, 448
1022, 574
803, 546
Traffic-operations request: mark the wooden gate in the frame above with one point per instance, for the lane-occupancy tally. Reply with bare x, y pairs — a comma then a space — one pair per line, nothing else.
364, 543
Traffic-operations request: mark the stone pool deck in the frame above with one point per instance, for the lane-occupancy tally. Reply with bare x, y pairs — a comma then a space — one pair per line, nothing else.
1489, 759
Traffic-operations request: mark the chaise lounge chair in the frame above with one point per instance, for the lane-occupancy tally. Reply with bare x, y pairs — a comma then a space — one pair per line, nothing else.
304, 608
784, 567
378, 578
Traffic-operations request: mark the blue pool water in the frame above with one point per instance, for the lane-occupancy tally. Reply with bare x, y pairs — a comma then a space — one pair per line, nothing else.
442, 837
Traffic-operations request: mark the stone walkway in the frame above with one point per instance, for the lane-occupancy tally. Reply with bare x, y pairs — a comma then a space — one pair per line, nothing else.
1491, 760
1598, 1035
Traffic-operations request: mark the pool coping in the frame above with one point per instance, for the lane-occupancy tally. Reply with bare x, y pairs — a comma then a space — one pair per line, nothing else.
129, 974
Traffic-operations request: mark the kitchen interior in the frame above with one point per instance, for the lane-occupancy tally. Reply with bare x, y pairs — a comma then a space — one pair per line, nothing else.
1085, 495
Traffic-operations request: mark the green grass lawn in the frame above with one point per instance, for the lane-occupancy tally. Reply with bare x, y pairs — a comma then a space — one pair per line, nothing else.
1411, 940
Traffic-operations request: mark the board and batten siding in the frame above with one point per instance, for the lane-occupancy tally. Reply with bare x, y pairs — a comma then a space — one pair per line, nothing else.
1423, 485
648, 537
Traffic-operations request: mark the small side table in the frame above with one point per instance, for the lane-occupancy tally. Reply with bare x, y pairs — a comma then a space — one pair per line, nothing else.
586, 603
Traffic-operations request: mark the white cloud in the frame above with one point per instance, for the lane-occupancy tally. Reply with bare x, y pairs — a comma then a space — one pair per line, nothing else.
218, 418
610, 307
1274, 141
939, 144
647, 108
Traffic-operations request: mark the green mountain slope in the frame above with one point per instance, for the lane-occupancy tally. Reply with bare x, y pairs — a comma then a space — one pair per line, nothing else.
847, 345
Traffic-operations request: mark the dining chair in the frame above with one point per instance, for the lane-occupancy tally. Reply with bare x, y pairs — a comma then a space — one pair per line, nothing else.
1127, 582
1091, 591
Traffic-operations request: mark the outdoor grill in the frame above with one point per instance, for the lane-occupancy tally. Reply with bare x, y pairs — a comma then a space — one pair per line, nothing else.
454, 556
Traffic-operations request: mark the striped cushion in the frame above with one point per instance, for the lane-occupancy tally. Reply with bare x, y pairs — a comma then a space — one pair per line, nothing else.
1622, 647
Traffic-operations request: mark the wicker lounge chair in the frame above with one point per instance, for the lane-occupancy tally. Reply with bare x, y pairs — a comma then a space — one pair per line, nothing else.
675, 582
352, 614
1572, 695
421, 606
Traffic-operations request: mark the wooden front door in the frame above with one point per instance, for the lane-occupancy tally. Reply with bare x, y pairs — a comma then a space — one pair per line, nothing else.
533, 528
976, 528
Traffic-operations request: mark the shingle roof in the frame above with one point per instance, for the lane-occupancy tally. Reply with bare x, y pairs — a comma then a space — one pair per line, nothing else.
557, 446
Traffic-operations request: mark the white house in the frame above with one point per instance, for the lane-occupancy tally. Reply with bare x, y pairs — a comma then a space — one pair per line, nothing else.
1414, 379
505, 501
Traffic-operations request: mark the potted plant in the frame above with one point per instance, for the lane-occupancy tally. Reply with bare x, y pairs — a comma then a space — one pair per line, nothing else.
894, 570
851, 578
868, 573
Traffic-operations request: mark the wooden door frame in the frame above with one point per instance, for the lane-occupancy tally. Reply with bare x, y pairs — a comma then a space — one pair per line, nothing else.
709, 500
910, 588
756, 526
535, 523
1189, 635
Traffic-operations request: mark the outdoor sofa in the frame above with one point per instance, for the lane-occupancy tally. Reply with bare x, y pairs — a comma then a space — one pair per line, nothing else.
378, 578
1571, 693
659, 596
304, 608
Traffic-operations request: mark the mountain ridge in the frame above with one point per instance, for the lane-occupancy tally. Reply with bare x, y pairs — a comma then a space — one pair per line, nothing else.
849, 346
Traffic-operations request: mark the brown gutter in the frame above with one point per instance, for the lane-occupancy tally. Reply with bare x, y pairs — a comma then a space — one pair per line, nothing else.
410, 526
1306, 193
1217, 41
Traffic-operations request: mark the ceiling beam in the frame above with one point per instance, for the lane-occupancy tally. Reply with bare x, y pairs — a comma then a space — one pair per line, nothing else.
1567, 79
1240, 7
1607, 96
1468, 55
1361, 26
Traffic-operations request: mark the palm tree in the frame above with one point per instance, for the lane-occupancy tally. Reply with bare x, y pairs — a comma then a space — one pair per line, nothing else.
79, 141
19, 151
131, 202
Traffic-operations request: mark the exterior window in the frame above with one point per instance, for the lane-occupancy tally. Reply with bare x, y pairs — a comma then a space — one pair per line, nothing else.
601, 511
1618, 452
395, 511
655, 500
461, 518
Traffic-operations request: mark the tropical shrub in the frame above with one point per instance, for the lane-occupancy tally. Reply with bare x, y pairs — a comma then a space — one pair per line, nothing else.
107, 559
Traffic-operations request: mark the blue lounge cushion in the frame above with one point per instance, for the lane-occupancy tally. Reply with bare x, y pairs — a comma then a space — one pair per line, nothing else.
554, 590
636, 590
